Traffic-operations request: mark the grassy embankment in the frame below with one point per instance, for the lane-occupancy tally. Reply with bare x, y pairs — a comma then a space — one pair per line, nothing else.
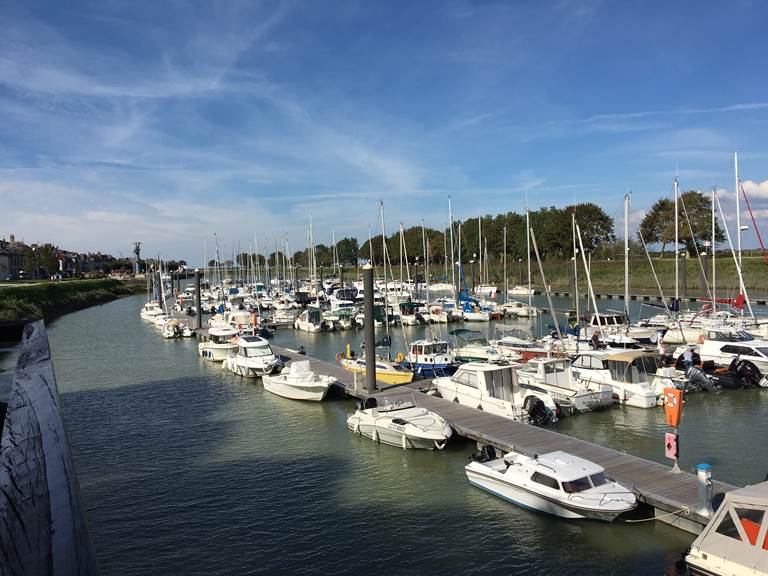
47, 300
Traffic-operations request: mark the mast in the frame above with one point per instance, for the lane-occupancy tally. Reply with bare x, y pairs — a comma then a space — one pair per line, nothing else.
677, 251
738, 205
453, 268
714, 251
370, 245
736, 260
480, 247
384, 259
506, 284
626, 256
575, 270
528, 246
445, 250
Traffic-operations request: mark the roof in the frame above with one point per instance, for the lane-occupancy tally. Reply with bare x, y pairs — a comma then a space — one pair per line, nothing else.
755, 494
252, 341
629, 355
222, 331
568, 467
485, 367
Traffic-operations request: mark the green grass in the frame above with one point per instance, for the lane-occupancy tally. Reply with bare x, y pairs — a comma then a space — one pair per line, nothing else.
46, 300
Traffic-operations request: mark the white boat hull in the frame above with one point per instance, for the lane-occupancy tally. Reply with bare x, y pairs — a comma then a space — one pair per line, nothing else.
477, 476
310, 391
214, 352
393, 437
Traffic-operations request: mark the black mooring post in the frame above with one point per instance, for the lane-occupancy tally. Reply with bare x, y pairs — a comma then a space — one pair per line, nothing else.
199, 320
369, 327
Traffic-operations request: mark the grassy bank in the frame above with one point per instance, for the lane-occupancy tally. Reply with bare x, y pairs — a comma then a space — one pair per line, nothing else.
47, 300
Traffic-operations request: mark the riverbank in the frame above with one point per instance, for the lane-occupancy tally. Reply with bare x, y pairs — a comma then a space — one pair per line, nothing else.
48, 300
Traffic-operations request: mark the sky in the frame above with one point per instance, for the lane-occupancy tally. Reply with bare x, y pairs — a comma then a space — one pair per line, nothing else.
169, 122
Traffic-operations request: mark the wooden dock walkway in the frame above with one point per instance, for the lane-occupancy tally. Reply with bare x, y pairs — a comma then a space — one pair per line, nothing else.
673, 496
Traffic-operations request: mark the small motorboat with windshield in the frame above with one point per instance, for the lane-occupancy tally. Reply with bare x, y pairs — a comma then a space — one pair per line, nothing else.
252, 357
298, 382
556, 483
221, 340
632, 375
473, 346
397, 421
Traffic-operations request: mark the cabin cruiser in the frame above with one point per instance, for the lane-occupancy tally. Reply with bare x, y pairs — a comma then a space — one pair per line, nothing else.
280, 319
516, 308
399, 422
735, 541
413, 313
555, 375
221, 340
471, 311
238, 319
520, 291
556, 483
151, 310
386, 371
631, 375
472, 346
486, 290
311, 320
616, 324
516, 345
252, 357
495, 389
437, 315
430, 359
298, 382
722, 346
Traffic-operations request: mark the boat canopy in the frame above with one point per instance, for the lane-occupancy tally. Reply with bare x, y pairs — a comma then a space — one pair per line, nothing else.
629, 355
467, 335
733, 533
222, 331
567, 467
300, 367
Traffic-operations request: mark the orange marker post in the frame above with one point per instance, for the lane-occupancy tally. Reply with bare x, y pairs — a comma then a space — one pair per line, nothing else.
673, 410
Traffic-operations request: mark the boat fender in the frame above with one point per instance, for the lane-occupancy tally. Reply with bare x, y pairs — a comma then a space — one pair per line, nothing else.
701, 338
356, 428
375, 435
404, 441
338, 357
440, 445
399, 358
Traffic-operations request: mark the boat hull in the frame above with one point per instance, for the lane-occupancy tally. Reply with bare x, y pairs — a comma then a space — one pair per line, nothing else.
214, 352
527, 499
313, 392
392, 437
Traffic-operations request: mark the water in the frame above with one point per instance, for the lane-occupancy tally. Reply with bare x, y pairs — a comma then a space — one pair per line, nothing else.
186, 469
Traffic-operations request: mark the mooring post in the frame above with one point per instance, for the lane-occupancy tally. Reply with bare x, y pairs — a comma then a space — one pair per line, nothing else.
704, 473
369, 327
198, 307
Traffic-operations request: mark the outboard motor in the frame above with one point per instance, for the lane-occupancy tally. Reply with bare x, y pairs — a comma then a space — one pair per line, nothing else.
748, 373
486, 454
700, 380
538, 413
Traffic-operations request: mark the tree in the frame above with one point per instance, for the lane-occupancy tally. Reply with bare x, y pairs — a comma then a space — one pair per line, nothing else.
347, 251
658, 226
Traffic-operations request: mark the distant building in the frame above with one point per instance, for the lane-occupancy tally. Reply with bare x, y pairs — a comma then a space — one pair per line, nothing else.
11, 257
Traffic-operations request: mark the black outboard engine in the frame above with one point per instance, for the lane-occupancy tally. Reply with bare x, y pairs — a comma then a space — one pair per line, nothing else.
485, 454
538, 413
700, 381
748, 373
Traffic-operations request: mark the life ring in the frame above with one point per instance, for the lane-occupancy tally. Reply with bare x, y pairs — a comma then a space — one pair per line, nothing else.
399, 358
338, 357
701, 338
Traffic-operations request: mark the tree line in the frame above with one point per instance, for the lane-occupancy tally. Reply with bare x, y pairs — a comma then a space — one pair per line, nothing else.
552, 227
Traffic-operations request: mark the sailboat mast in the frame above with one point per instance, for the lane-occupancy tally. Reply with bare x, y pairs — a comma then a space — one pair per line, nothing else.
445, 250
738, 205
453, 268
384, 260
528, 249
626, 255
677, 248
480, 248
505, 264
714, 252
575, 268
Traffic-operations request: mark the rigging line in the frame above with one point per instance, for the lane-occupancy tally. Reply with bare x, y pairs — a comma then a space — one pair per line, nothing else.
754, 223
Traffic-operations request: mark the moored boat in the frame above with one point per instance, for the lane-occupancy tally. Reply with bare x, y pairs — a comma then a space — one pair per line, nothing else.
298, 382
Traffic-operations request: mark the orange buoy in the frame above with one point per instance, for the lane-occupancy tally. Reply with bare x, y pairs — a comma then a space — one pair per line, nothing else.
673, 406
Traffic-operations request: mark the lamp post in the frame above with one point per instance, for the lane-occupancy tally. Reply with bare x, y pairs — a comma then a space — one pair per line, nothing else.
34, 262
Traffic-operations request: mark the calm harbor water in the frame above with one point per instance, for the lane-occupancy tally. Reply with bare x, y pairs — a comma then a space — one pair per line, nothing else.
187, 469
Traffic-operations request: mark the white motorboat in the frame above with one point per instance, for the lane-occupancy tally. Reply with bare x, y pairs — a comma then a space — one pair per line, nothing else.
398, 422
221, 341
630, 374
556, 483
253, 357
173, 328
555, 375
496, 390
150, 311
472, 346
159, 320
298, 382
516, 308
311, 320
735, 541
520, 291
722, 346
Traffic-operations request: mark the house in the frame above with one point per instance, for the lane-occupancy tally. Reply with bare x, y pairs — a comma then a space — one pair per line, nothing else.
11, 257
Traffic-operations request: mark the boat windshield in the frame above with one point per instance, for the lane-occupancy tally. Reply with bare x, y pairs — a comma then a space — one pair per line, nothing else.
598, 479
763, 351
255, 351
578, 485
389, 404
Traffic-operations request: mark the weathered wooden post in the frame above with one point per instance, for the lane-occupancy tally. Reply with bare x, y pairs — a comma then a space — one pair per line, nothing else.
369, 327
199, 320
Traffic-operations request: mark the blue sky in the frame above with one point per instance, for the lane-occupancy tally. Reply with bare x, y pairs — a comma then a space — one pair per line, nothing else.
168, 121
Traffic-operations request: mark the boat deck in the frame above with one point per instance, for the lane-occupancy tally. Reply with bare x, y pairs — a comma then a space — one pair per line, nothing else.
673, 495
